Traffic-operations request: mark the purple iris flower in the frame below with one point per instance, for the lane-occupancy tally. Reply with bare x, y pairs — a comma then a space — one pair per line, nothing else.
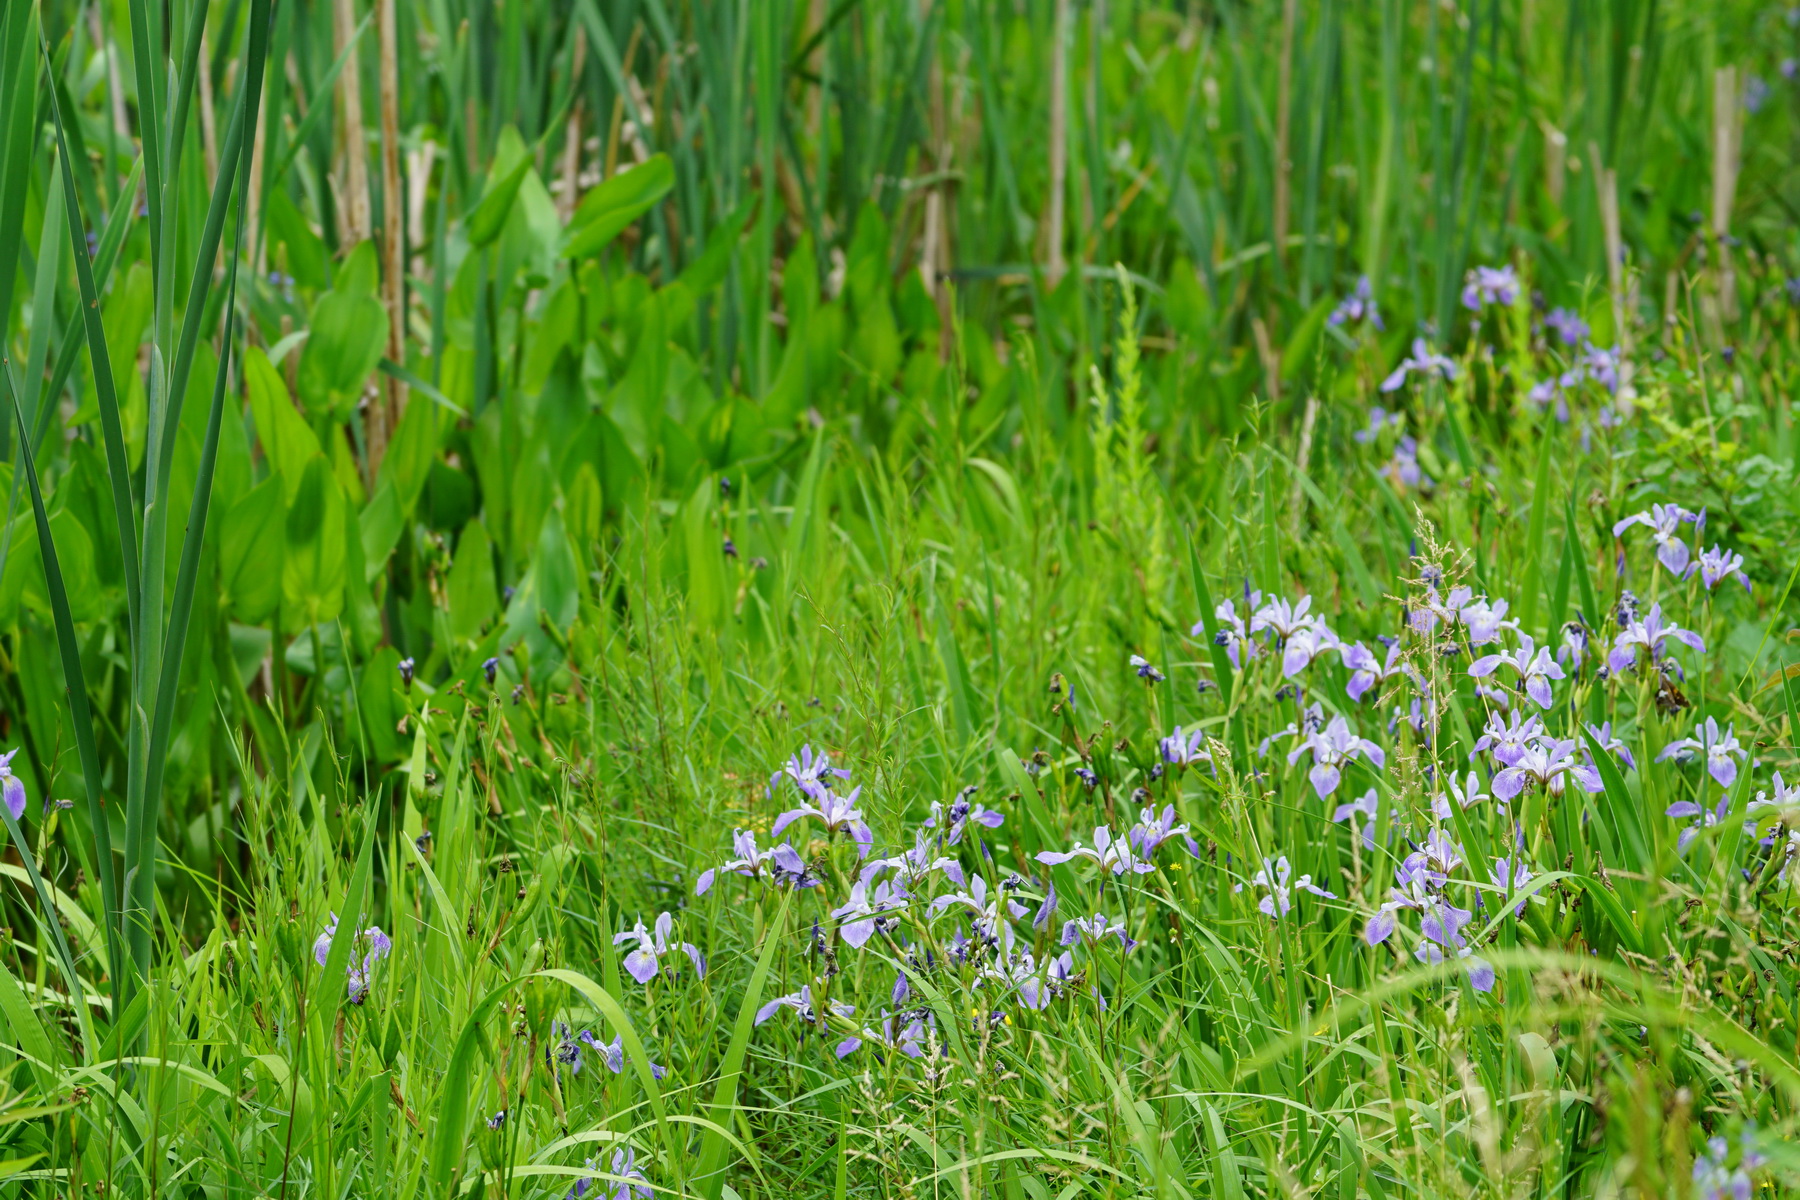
1110, 854
1046, 913
1467, 794
1664, 522
993, 910
802, 1004
1602, 366
378, 946
1274, 880
1533, 664
1233, 634
1366, 671
962, 813
1307, 645
1379, 419
867, 914
837, 813
1716, 564
1756, 94
1359, 305
628, 1182
1568, 325
1505, 873
12, 788
1708, 743
1575, 645
1404, 466
1714, 1179
1651, 634
1440, 926
612, 1054
1149, 674
1094, 930
641, 963
1548, 762
1312, 719
1612, 745
1283, 618
1432, 862
901, 1033
1365, 806
811, 773
1152, 831
1184, 749
1484, 621
1704, 818
1019, 970
916, 864
1333, 747
1490, 285
782, 863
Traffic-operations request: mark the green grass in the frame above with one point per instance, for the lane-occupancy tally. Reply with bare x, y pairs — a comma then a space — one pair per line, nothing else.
733, 402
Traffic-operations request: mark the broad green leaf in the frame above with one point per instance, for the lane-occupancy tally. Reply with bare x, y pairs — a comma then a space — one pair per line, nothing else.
470, 588
511, 162
312, 576
252, 541
606, 210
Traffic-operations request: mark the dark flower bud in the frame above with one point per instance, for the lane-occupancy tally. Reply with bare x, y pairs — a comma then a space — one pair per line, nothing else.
405, 667
490, 667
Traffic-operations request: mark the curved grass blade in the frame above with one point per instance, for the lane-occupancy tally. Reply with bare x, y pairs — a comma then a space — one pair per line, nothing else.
81, 716
709, 1178
124, 497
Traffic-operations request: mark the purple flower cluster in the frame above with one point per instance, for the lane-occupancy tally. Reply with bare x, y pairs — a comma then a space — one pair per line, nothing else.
374, 945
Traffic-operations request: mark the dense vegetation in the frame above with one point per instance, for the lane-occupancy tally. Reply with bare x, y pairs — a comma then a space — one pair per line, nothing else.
899, 597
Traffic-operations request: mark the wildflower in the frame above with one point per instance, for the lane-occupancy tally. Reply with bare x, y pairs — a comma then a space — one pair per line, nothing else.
405, 667
1534, 665
612, 1054
1365, 671
641, 963
1365, 805
1484, 621
1715, 565
497, 1120
1312, 719
1664, 522
1440, 926
1717, 748
1511, 876
1568, 326
1467, 794
1152, 831
630, 1180
802, 1004
1604, 735
1359, 305
1149, 674
1547, 762
1704, 819
837, 813
1109, 854
907, 1039
1756, 94
1305, 647
1094, 930
1331, 748
916, 864
993, 911
563, 1050
864, 916
811, 773
489, 668
1283, 618
962, 812
1379, 419
1233, 634
1713, 1177
1431, 861
1185, 749
1490, 285
1574, 649
782, 861
1046, 913
1089, 780
730, 548
378, 944
1274, 878
12, 788
1786, 804
1652, 635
